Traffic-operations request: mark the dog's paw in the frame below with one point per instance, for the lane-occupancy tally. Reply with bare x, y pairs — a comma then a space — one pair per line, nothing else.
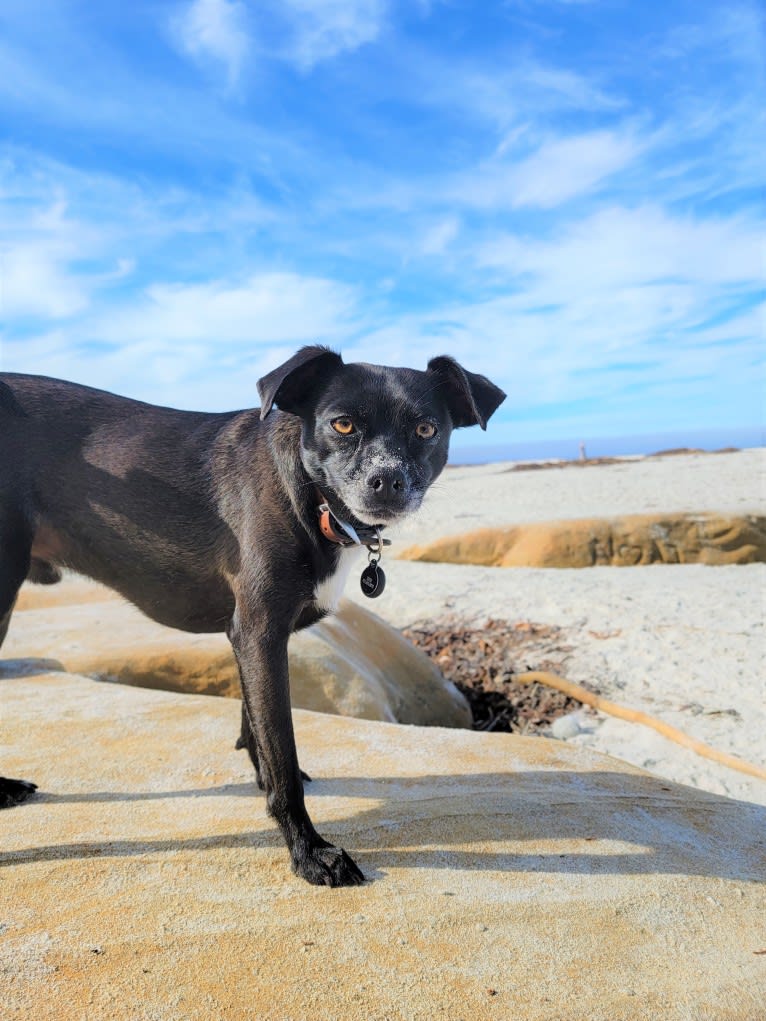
328, 866
13, 792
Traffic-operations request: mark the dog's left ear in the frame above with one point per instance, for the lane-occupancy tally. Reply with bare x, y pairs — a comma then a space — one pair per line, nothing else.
471, 398
292, 384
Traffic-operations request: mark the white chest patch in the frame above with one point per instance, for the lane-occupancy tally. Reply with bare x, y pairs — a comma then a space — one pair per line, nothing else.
328, 592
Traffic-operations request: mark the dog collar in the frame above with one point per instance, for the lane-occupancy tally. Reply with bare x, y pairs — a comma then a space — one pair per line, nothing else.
342, 533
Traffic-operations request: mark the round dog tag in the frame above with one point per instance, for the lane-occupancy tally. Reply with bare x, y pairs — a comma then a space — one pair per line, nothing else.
373, 580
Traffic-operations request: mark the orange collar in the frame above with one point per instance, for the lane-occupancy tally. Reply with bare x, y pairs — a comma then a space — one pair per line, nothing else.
342, 533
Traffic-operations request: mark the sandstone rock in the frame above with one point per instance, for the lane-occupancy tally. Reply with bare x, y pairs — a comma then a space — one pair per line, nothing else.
354, 664
622, 542
509, 877
367, 669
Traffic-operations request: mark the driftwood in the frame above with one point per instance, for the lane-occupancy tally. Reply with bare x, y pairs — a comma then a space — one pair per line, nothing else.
581, 694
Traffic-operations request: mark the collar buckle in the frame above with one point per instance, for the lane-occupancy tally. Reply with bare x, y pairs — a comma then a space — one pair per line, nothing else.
345, 534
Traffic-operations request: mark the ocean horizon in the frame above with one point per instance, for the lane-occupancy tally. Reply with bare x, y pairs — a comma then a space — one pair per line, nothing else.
606, 446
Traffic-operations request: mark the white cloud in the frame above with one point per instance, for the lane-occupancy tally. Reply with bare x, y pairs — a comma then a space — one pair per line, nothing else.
560, 88
303, 32
266, 308
42, 256
559, 170
192, 345
565, 168
630, 287
722, 32
625, 305
35, 281
82, 252
633, 247
215, 30
440, 236
322, 29
519, 94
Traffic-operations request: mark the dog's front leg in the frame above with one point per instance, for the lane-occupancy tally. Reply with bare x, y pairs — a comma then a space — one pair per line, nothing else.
260, 645
246, 740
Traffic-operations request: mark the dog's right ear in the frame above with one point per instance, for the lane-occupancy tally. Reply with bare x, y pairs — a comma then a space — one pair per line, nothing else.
471, 398
291, 384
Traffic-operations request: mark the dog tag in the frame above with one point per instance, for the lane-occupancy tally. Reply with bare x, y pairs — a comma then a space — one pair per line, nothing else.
373, 580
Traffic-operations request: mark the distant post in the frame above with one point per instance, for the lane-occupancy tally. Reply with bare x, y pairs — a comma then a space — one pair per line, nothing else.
583, 456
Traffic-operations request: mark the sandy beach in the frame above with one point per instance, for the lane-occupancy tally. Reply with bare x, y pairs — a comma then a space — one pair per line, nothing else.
682, 642
508, 876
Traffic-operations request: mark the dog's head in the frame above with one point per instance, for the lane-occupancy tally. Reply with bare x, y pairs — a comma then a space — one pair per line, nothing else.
374, 438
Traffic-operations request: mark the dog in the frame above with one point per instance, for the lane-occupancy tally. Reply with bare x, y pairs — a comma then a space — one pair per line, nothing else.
239, 522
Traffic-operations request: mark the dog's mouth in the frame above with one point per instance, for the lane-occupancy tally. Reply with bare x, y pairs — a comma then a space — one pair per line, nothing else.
379, 519
384, 515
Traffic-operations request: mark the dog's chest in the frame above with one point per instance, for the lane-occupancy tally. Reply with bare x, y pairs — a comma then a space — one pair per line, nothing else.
328, 592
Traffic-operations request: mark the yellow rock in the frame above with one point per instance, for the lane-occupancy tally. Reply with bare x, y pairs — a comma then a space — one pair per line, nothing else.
354, 664
511, 878
621, 542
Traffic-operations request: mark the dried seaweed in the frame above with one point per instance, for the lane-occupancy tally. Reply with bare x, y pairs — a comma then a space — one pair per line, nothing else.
482, 663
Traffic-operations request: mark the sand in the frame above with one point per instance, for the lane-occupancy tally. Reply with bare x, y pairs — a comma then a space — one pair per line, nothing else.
685, 643
465, 498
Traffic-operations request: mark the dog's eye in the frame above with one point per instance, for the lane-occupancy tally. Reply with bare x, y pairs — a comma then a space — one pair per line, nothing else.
343, 425
425, 430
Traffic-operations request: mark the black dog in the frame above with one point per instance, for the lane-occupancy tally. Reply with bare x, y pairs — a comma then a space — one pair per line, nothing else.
241, 522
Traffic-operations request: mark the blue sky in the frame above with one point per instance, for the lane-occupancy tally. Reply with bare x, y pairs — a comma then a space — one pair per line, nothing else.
566, 196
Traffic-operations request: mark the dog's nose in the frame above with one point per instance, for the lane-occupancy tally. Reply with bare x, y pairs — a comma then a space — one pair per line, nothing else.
387, 483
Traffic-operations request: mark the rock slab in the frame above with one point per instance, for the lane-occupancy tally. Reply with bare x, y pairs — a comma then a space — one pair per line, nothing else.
352, 663
629, 541
508, 877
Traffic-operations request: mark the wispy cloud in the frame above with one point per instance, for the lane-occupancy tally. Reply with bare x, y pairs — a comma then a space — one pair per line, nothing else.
636, 247
619, 309
35, 280
322, 29
559, 170
570, 204
440, 235
215, 31
524, 93
303, 33
52, 262
265, 308
212, 340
